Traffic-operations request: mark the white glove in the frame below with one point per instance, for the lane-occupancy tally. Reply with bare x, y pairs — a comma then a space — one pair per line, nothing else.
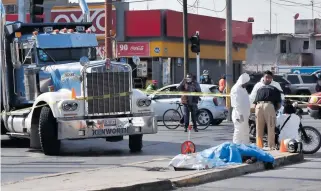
241, 119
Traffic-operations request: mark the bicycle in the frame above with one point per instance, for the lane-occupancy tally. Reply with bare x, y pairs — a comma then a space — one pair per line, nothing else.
203, 117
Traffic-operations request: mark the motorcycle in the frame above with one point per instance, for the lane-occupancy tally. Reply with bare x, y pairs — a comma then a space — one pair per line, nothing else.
310, 136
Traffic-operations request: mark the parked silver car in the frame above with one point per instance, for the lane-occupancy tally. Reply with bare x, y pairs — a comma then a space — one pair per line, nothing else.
302, 84
215, 105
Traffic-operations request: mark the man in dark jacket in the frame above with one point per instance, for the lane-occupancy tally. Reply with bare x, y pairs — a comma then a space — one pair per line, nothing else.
189, 84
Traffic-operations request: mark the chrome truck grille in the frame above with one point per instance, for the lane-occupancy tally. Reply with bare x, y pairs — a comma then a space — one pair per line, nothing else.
108, 93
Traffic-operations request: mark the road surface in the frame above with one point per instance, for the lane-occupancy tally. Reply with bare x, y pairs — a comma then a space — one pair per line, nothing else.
20, 163
303, 176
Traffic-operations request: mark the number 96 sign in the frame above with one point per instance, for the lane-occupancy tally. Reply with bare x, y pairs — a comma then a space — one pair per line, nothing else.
123, 47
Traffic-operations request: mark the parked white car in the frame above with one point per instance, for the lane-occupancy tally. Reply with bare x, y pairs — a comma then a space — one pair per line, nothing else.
215, 105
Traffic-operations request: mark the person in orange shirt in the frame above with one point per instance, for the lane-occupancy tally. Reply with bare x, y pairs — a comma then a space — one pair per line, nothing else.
222, 84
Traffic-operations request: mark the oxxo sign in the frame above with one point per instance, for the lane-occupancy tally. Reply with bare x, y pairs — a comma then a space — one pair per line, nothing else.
97, 16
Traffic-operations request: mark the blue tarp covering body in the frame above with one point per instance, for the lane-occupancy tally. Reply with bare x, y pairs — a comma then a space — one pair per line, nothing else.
233, 153
221, 155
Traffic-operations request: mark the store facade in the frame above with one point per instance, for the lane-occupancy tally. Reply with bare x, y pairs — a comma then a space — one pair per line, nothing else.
154, 38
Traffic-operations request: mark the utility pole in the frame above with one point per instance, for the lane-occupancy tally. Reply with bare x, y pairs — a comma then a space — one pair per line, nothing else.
108, 19
276, 24
185, 33
312, 3
270, 16
228, 56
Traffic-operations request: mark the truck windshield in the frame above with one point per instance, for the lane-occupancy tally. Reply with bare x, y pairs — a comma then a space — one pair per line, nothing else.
66, 54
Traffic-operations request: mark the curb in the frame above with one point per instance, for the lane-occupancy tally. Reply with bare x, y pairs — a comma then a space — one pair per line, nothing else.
152, 186
236, 171
209, 176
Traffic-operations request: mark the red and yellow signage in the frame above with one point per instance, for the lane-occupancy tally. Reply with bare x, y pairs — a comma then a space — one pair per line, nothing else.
176, 50
172, 50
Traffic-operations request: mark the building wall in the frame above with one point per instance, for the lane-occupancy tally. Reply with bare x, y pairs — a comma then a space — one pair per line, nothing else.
307, 26
9, 2
317, 51
262, 51
265, 51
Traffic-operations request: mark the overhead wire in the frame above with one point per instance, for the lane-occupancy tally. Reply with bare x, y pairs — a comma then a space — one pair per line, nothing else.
297, 4
286, 6
214, 7
200, 7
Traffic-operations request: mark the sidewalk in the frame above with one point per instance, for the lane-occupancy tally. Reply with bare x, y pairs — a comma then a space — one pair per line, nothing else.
150, 175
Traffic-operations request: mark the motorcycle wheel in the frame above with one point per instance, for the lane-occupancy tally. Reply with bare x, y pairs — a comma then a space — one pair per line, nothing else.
313, 140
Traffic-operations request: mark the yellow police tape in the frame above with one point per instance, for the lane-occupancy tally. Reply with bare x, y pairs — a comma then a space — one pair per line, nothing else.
106, 96
211, 94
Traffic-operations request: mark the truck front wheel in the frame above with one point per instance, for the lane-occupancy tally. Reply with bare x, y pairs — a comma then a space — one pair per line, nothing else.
48, 132
135, 143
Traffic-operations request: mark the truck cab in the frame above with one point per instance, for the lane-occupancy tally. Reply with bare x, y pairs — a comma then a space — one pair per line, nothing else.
54, 88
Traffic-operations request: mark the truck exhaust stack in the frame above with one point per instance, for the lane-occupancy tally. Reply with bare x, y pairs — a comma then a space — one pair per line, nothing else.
3, 66
85, 10
21, 11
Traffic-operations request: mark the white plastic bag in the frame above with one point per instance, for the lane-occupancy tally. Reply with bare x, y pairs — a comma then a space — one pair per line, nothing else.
191, 161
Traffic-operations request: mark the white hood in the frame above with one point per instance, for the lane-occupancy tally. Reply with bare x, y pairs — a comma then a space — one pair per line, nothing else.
243, 79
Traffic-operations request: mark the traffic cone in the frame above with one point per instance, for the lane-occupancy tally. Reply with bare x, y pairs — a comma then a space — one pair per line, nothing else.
190, 127
282, 147
259, 142
73, 93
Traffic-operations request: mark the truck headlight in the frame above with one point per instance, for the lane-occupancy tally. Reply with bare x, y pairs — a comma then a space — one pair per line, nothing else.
144, 102
69, 106
148, 102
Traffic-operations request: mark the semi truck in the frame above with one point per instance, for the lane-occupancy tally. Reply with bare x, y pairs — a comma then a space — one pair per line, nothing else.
53, 88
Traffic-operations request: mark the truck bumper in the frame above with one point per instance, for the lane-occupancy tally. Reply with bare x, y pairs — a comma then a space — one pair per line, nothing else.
106, 127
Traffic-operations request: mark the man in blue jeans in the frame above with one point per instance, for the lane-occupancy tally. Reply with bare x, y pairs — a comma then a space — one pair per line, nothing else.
189, 84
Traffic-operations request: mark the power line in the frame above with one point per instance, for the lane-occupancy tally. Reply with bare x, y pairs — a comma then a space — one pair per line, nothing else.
214, 7
295, 4
301, 4
220, 10
204, 8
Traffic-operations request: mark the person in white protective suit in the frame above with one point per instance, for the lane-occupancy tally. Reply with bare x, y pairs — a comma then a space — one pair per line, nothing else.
261, 84
240, 102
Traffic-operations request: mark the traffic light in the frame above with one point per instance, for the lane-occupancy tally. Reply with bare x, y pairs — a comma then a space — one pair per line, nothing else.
36, 11
250, 20
195, 41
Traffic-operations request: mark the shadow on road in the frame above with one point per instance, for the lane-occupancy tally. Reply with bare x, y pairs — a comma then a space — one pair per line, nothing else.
315, 155
100, 147
15, 143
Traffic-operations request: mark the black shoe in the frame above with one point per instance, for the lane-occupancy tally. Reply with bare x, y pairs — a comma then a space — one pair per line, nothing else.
196, 130
185, 130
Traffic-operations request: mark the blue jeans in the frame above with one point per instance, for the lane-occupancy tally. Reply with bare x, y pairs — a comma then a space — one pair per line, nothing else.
193, 110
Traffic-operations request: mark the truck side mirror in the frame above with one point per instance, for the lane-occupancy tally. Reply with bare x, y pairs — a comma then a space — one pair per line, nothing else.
15, 56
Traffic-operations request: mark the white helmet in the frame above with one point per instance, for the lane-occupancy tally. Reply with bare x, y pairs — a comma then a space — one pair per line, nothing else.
205, 72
